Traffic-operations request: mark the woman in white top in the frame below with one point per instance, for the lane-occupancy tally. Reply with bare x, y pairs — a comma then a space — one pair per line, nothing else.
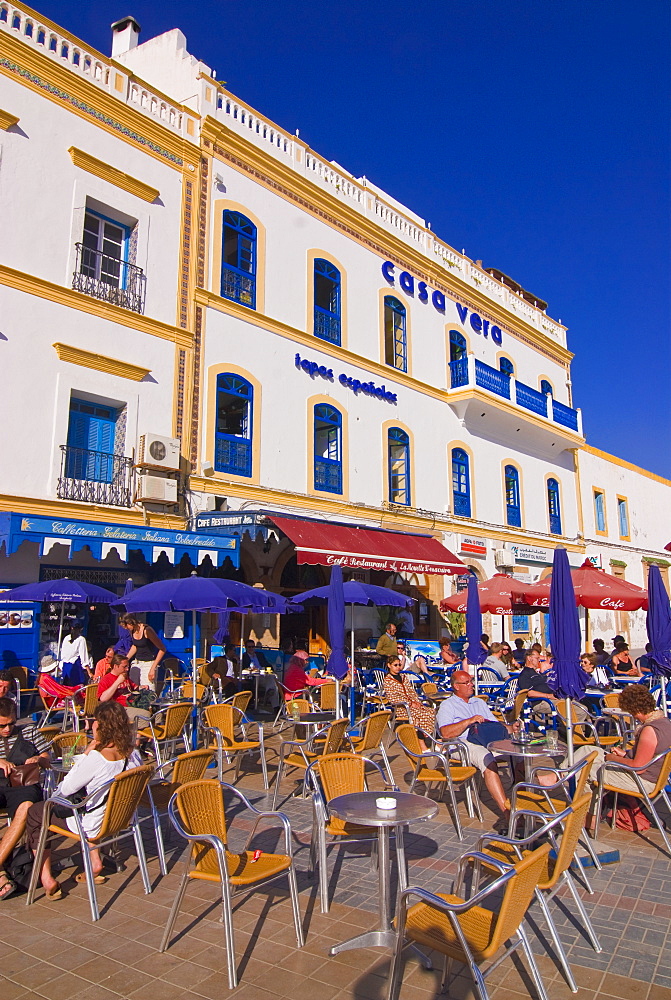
110, 752
76, 662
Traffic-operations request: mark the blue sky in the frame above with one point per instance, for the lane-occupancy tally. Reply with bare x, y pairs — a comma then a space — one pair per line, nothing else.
532, 133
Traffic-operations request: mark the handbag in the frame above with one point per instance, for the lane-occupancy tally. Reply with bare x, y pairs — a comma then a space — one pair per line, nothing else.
143, 699
484, 733
24, 774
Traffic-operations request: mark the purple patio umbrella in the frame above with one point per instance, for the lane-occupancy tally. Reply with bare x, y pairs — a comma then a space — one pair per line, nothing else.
222, 627
125, 640
475, 653
658, 625
337, 662
568, 678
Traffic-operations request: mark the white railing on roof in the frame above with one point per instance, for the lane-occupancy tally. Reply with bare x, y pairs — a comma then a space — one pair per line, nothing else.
87, 63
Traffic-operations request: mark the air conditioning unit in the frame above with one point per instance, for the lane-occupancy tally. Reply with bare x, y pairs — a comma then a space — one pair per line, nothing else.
505, 558
157, 452
156, 489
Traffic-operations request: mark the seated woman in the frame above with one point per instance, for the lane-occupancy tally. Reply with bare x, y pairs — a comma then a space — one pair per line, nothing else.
622, 663
399, 688
110, 752
295, 677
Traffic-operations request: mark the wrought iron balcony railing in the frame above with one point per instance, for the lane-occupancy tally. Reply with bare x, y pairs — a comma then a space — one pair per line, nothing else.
95, 477
108, 278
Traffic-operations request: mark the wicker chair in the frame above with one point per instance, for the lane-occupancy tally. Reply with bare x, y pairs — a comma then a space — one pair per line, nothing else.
220, 722
647, 798
330, 776
434, 767
66, 741
587, 733
301, 753
119, 820
240, 700
171, 731
431, 691
370, 743
326, 694
165, 781
285, 695
463, 930
87, 710
186, 692
198, 814
557, 869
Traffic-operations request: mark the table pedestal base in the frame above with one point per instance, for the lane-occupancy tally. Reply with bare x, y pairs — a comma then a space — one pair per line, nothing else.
371, 939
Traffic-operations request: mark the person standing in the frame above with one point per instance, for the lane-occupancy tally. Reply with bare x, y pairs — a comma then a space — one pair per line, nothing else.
75, 659
386, 644
146, 652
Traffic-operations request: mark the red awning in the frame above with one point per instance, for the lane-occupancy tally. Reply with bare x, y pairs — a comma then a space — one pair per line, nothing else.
367, 548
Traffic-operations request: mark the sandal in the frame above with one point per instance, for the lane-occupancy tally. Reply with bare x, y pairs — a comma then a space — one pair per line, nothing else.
8, 887
55, 894
98, 879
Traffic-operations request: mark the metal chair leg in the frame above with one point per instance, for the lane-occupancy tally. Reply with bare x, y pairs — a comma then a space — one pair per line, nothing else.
160, 847
278, 780
591, 933
141, 857
172, 916
39, 855
658, 822
396, 969
401, 859
532, 964
90, 884
323, 872
293, 889
227, 918
559, 948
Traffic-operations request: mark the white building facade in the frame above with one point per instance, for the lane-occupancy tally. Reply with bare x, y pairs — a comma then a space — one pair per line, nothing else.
194, 272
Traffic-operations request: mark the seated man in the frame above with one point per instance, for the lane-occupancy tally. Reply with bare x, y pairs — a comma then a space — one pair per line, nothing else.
15, 749
534, 681
7, 685
115, 686
455, 717
494, 661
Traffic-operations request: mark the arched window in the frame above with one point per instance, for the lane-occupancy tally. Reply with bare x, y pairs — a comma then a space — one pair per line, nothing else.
512, 488
327, 301
238, 259
394, 334
457, 346
328, 449
398, 453
461, 483
554, 508
233, 432
546, 387
506, 366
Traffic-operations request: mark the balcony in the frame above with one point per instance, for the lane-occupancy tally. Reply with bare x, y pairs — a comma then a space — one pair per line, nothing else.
108, 278
95, 477
483, 395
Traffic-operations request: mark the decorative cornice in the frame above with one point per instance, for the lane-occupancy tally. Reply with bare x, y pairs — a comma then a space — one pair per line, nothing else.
625, 465
7, 120
111, 174
285, 181
77, 356
71, 299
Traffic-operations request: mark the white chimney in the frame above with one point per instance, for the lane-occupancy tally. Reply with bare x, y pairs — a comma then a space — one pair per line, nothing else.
125, 34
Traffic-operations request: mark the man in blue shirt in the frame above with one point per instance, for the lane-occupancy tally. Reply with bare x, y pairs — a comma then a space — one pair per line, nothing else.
455, 717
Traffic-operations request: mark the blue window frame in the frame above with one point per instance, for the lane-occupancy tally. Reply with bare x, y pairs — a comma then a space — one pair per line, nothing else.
506, 366
623, 517
600, 511
512, 488
461, 483
104, 249
554, 508
327, 449
546, 387
458, 347
91, 441
520, 623
233, 431
327, 301
238, 259
398, 455
395, 348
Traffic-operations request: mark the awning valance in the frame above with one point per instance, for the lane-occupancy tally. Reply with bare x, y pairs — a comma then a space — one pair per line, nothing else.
102, 537
328, 544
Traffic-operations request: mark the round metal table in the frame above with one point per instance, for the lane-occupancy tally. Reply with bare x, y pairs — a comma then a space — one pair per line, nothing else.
527, 752
360, 808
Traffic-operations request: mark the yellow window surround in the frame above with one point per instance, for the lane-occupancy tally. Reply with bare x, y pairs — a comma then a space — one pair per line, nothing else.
7, 120
111, 174
77, 356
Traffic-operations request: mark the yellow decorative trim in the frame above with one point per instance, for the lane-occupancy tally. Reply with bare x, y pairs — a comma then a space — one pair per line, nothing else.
71, 299
7, 120
625, 465
597, 491
76, 356
111, 174
89, 512
625, 500
245, 156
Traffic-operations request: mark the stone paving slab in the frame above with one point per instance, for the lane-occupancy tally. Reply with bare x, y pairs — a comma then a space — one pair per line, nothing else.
53, 951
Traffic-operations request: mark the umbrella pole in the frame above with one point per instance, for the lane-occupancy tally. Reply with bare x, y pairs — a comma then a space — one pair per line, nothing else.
569, 731
503, 628
475, 679
194, 711
60, 636
353, 673
664, 680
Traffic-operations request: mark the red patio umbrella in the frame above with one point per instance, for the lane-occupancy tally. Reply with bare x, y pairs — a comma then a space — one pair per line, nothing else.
594, 588
501, 595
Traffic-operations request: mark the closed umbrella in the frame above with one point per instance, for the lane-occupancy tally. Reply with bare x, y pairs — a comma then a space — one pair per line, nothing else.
61, 592
475, 653
222, 628
658, 625
568, 680
125, 640
337, 663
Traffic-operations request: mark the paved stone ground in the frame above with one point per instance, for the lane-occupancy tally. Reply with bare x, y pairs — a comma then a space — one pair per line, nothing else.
52, 950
